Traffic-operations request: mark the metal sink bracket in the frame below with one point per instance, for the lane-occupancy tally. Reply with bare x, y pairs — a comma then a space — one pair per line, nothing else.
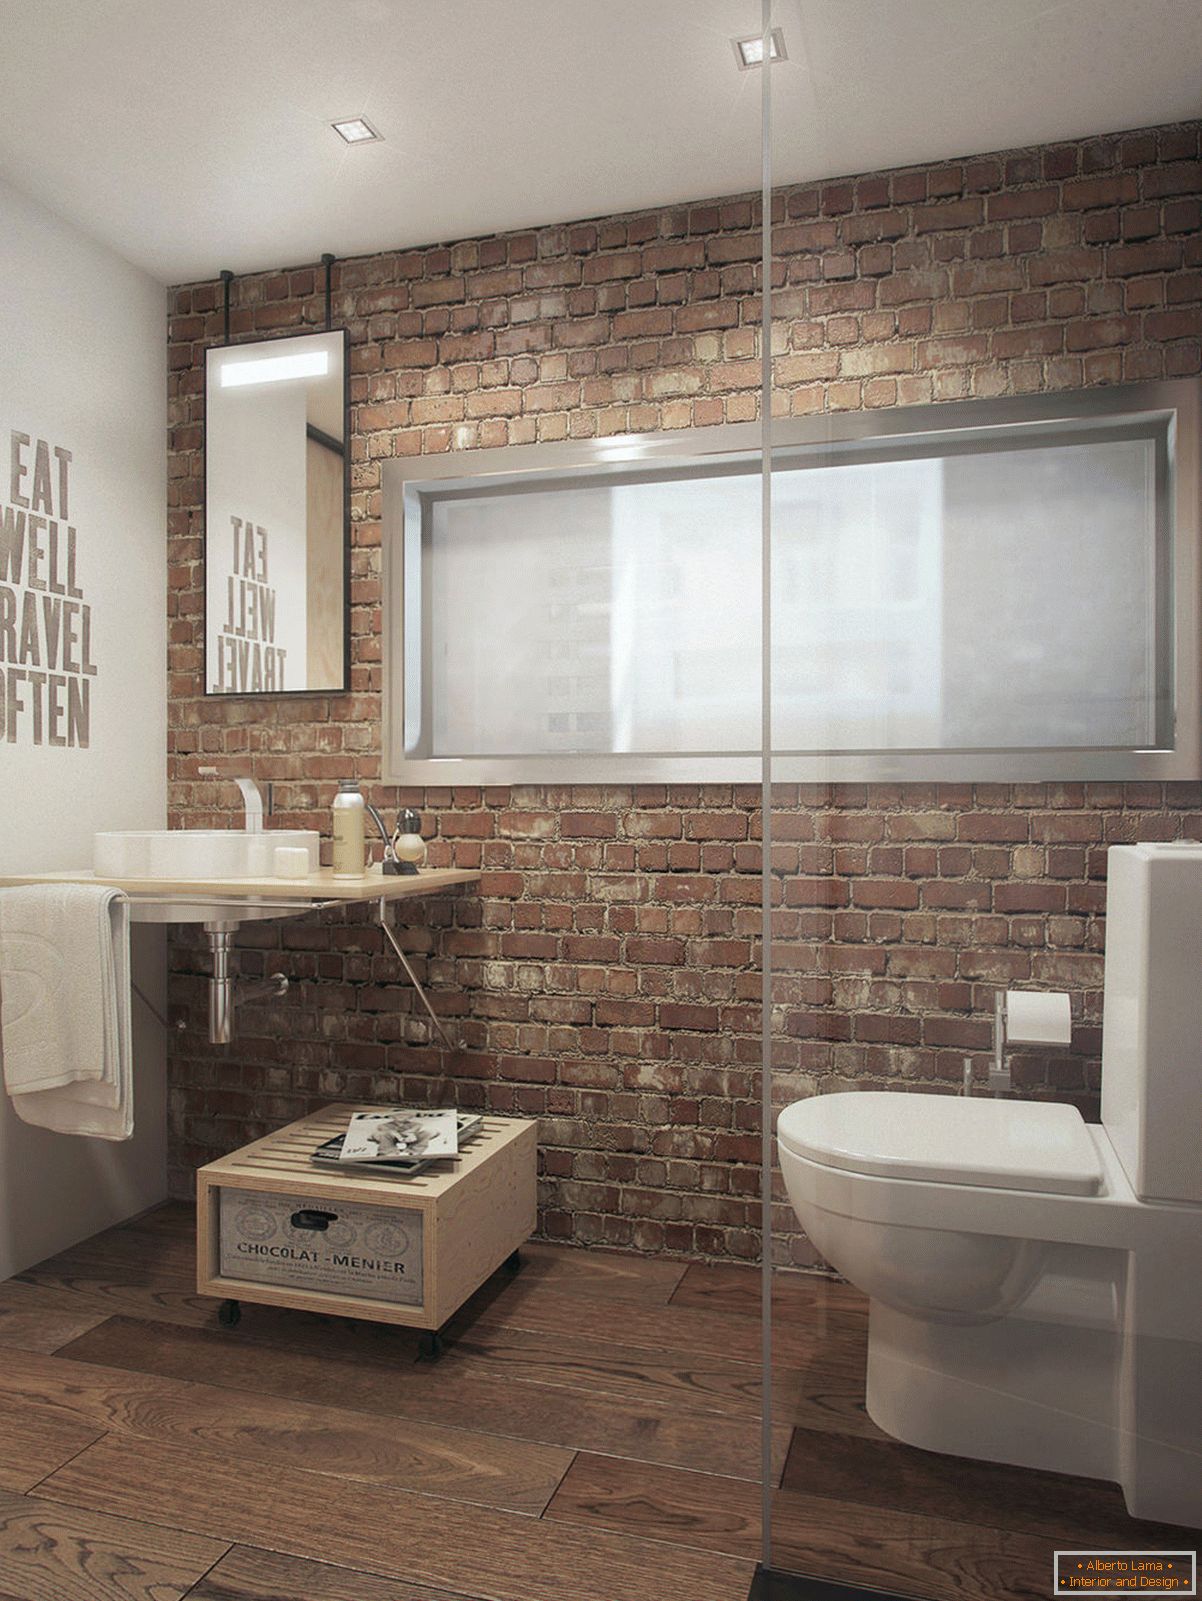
382, 918
219, 932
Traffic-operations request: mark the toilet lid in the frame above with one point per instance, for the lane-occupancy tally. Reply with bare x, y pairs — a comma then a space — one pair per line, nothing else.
947, 1139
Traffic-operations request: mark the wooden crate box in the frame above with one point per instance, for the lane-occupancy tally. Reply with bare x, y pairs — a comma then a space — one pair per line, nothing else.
274, 1229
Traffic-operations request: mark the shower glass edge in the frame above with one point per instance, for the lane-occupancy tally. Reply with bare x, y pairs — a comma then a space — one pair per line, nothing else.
895, 905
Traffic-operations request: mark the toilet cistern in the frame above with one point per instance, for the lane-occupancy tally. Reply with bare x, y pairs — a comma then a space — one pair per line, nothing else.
1025, 1017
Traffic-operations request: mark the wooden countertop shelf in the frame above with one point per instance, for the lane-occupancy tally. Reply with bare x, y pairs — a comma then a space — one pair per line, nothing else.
320, 886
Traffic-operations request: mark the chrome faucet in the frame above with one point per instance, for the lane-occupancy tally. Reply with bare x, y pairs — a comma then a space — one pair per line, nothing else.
252, 799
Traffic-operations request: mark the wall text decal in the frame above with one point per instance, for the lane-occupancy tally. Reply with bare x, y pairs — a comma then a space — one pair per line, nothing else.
46, 665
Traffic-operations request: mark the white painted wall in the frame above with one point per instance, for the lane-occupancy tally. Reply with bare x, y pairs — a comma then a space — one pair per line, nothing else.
83, 365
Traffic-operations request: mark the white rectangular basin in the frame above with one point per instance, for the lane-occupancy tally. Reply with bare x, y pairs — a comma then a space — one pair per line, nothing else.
197, 853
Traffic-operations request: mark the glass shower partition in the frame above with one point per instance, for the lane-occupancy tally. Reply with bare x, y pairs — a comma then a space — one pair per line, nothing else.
980, 664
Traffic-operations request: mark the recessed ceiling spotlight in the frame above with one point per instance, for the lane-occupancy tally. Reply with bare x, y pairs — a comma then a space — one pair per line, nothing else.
749, 52
356, 130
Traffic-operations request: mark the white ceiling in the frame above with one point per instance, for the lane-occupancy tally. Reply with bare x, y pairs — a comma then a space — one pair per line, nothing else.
193, 135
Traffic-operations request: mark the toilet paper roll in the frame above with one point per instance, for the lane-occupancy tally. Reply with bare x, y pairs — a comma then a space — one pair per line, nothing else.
1038, 1017
291, 861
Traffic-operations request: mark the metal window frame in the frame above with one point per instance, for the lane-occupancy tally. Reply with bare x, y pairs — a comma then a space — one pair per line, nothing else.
1173, 409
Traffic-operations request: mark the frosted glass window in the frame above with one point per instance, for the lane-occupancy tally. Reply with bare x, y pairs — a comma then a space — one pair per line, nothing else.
619, 617
1002, 599
949, 599
857, 606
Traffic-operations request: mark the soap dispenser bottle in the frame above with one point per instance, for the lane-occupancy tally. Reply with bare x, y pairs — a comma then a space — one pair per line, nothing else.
350, 843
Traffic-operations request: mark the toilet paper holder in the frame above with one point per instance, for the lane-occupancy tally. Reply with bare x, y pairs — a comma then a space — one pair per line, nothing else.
1026, 1017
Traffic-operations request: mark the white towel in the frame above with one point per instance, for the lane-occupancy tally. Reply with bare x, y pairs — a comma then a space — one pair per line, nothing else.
64, 1007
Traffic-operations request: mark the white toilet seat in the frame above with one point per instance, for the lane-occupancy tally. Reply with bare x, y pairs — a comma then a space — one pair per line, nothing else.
1038, 1146
1111, 1215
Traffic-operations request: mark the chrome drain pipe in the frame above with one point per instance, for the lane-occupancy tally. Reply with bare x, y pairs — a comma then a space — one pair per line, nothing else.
222, 995
272, 988
221, 984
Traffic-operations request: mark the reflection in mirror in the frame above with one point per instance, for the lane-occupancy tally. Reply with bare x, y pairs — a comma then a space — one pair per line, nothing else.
275, 516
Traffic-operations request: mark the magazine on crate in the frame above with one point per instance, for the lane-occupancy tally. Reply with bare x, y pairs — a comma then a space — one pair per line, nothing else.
329, 1154
403, 1134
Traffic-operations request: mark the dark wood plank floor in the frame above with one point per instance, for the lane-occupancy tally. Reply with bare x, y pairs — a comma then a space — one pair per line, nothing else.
592, 1434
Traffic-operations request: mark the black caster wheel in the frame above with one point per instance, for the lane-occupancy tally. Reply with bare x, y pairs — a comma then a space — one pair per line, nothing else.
513, 1262
429, 1346
229, 1314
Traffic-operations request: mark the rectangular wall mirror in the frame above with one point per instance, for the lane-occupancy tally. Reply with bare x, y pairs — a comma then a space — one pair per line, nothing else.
276, 516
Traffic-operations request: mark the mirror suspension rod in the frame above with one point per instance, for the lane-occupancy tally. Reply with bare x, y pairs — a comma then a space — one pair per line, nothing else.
227, 279
327, 262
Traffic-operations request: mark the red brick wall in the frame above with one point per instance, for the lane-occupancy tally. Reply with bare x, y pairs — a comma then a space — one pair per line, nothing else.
605, 978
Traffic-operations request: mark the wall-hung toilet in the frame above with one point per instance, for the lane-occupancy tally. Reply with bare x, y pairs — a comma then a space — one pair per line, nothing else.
1035, 1282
